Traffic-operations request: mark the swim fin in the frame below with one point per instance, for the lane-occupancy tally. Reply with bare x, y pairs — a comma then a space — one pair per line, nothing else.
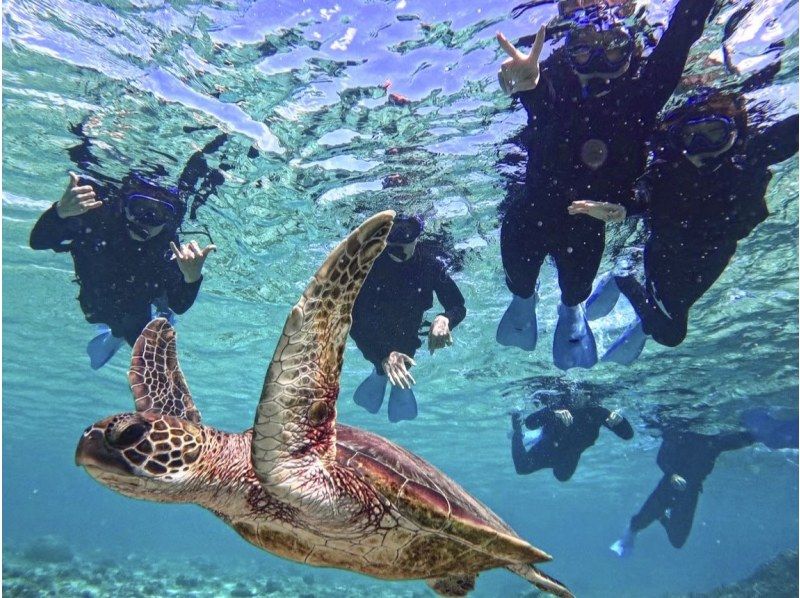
603, 298
518, 326
770, 431
573, 341
624, 546
369, 393
530, 438
627, 348
103, 347
402, 404
160, 309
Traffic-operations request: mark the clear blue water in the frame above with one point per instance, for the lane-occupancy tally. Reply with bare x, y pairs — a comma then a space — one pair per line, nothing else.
301, 81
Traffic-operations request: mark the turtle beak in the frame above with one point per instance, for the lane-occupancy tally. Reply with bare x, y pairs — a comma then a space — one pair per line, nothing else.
93, 452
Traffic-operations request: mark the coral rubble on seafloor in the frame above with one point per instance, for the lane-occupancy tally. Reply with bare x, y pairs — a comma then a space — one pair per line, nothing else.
777, 578
47, 567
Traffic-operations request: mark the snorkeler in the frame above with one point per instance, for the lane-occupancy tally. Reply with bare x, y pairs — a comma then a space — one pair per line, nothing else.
703, 192
687, 459
128, 260
591, 108
563, 435
388, 314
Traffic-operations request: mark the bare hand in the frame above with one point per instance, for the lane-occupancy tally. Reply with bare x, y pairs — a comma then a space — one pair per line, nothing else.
76, 200
677, 482
613, 419
395, 368
564, 415
520, 72
191, 259
602, 210
439, 336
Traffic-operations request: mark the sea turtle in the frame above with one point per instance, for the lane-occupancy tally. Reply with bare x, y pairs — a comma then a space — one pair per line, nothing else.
298, 484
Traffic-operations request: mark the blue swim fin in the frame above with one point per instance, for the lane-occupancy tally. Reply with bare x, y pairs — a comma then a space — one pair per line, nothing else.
369, 393
624, 546
402, 404
573, 341
518, 326
160, 309
627, 348
603, 298
103, 347
770, 431
530, 438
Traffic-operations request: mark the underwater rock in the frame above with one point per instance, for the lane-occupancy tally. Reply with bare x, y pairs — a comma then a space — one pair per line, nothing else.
241, 590
272, 586
777, 578
187, 581
48, 549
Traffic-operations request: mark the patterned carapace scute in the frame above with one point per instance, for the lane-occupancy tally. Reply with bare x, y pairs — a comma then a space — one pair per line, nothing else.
294, 431
155, 376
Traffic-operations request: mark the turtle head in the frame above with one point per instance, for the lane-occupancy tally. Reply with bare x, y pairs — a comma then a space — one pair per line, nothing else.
144, 455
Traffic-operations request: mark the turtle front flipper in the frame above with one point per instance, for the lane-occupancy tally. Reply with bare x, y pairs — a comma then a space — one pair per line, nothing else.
294, 435
155, 377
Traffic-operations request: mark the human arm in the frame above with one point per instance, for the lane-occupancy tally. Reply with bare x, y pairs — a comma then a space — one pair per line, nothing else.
184, 274
523, 464
520, 72
601, 210
775, 144
449, 295
60, 223
664, 67
635, 204
732, 441
618, 424
537, 419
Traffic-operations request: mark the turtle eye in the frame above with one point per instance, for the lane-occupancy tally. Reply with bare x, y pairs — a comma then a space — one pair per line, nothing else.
127, 436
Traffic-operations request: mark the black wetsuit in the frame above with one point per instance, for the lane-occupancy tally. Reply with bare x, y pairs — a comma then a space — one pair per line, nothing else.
691, 456
568, 133
388, 312
696, 216
560, 447
119, 278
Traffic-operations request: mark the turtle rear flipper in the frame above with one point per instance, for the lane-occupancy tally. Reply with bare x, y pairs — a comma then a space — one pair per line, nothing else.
294, 435
155, 377
541, 581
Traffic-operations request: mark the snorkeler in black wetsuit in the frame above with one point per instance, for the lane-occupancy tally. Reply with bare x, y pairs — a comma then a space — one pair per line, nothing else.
565, 434
687, 459
704, 191
591, 109
388, 313
126, 254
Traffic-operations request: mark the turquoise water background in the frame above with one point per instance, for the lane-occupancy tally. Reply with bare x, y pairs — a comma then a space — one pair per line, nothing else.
302, 83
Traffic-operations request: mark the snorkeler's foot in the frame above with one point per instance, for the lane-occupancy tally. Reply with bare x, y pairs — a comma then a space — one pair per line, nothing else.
573, 341
369, 393
624, 546
603, 298
402, 404
627, 348
771, 432
103, 347
518, 326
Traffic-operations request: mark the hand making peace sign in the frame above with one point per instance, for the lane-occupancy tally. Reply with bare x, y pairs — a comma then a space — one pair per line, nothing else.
520, 72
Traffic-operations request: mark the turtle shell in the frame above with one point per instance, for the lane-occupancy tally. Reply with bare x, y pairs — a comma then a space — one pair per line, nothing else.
428, 497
